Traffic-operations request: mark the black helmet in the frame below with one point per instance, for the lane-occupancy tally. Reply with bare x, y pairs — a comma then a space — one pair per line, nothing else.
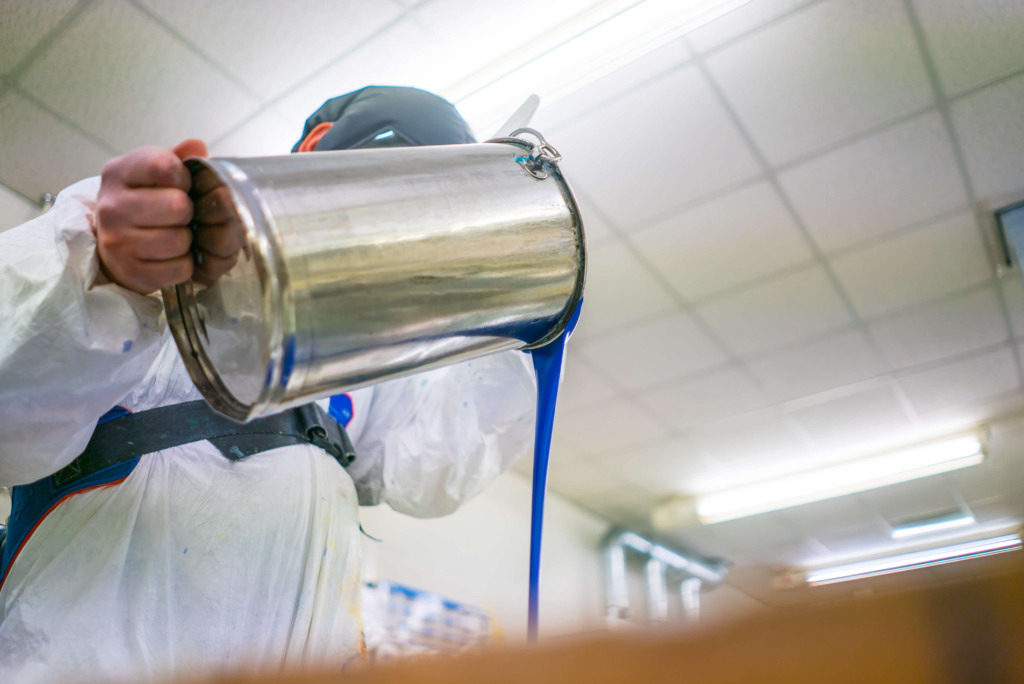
379, 116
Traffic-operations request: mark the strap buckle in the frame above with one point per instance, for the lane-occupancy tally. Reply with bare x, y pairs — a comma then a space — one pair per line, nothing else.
323, 432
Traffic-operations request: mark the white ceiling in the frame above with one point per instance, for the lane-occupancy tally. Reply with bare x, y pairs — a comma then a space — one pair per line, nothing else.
787, 213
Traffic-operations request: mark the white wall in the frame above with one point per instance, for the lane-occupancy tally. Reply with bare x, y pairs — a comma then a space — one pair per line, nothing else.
480, 555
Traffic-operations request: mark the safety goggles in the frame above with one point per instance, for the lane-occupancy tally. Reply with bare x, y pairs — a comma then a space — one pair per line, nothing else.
388, 137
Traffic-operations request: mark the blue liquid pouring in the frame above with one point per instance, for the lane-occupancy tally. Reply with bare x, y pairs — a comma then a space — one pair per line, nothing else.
547, 364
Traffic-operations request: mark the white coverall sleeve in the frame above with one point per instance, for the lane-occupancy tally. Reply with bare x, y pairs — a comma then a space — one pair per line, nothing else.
434, 440
71, 344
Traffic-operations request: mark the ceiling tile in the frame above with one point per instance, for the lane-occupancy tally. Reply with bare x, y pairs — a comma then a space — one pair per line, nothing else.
840, 423
760, 531
474, 34
668, 467
963, 381
581, 478
972, 42
266, 134
898, 177
915, 499
1013, 296
831, 517
953, 326
269, 45
961, 417
851, 541
666, 166
581, 385
473, 22
725, 242
15, 209
752, 448
984, 482
596, 228
620, 291
744, 19
617, 424
1006, 441
382, 60
609, 88
991, 132
773, 557
785, 310
626, 506
823, 74
697, 401
50, 155
25, 24
654, 352
138, 86
915, 267
824, 364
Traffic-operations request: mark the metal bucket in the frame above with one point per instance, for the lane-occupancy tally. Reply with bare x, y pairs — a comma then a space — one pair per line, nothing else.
364, 265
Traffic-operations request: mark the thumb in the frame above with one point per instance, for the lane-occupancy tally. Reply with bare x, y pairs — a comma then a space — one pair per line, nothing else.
190, 148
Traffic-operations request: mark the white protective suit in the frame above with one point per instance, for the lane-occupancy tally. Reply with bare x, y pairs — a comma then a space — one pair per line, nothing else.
194, 561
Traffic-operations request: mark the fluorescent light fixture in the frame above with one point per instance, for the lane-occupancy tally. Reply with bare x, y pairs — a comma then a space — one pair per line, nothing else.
914, 560
921, 527
841, 479
578, 52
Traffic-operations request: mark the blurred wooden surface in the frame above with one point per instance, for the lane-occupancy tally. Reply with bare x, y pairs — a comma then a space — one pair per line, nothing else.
964, 633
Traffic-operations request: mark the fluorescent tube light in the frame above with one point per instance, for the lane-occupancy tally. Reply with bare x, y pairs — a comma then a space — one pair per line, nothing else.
841, 479
915, 560
570, 56
928, 526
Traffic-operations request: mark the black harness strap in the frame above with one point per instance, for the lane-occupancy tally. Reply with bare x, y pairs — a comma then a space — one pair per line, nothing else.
144, 432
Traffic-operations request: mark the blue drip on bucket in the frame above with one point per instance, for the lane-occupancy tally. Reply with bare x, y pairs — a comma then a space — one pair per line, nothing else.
547, 364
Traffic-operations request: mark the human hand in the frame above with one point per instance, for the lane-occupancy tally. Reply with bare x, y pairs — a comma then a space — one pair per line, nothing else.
220, 235
142, 217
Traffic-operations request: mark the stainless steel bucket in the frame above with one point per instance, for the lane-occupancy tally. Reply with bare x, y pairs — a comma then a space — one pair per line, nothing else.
363, 265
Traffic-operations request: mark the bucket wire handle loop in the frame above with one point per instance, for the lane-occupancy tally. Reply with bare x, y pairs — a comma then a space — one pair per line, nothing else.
541, 153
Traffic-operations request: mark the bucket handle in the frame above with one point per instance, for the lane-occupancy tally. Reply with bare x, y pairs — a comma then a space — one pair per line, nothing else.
541, 152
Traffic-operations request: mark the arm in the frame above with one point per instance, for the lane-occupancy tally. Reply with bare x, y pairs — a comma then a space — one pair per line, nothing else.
433, 441
79, 326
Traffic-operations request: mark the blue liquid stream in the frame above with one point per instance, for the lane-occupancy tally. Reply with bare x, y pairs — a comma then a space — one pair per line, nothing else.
547, 364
